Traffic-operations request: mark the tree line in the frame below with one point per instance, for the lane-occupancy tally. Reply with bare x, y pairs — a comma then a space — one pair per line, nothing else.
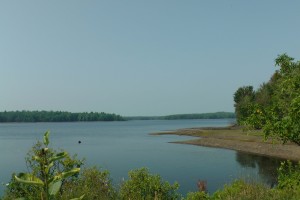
62, 116
275, 106
216, 115
56, 116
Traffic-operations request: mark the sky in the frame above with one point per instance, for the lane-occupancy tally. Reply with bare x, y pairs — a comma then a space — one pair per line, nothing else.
140, 58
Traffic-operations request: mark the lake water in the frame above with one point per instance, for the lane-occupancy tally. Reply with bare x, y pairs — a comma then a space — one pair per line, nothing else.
122, 146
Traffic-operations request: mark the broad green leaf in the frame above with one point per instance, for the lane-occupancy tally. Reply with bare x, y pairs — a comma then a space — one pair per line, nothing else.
55, 178
29, 179
21, 198
58, 156
64, 175
70, 173
47, 168
37, 158
46, 138
80, 198
54, 187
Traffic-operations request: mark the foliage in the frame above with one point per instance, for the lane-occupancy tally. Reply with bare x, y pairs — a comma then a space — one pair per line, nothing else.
56, 116
49, 171
216, 115
255, 118
197, 196
289, 176
143, 185
282, 117
239, 189
92, 182
243, 98
275, 106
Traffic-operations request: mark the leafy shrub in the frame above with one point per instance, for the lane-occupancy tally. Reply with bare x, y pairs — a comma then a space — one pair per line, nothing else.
289, 176
239, 189
143, 185
197, 196
92, 182
49, 171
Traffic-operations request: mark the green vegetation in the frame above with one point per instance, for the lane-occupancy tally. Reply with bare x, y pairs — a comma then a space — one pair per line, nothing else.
275, 106
60, 116
243, 98
288, 187
143, 185
216, 115
56, 116
49, 171
92, 182
57, 176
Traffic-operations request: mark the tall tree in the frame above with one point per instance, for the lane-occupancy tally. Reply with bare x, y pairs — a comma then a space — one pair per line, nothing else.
276, 107
244, 99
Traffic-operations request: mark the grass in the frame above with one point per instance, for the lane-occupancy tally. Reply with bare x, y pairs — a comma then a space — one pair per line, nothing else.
240, 190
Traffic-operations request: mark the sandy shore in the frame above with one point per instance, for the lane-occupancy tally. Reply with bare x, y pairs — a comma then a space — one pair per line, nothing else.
236, 139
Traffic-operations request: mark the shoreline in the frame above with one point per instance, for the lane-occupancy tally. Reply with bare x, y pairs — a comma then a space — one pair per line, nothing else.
234, 138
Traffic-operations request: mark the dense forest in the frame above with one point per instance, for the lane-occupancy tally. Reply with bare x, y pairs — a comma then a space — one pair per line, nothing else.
216, 115
60, 116
275, 106
56, 116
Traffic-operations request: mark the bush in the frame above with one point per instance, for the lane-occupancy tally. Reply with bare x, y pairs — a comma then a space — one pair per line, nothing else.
49, 171
197, 196
143, 185
241, 190
289, 176
92, 182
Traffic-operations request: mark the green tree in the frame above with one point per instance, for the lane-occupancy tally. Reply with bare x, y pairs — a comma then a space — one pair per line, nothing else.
276, 108
244, 99
282, 117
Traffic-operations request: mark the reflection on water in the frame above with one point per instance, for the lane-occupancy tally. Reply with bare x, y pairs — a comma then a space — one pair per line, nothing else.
266, 166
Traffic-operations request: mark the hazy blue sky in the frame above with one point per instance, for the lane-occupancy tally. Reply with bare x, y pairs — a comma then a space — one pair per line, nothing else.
140, 57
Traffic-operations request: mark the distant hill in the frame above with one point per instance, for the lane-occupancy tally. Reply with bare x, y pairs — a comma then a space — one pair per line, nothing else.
216, 115
56, 116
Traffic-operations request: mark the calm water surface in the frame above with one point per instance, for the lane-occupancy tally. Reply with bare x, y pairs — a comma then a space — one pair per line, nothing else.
123, 146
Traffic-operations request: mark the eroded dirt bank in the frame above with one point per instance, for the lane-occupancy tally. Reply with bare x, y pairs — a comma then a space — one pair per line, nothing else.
236, 139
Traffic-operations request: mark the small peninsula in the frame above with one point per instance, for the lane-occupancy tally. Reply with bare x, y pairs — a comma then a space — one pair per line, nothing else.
235, 138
